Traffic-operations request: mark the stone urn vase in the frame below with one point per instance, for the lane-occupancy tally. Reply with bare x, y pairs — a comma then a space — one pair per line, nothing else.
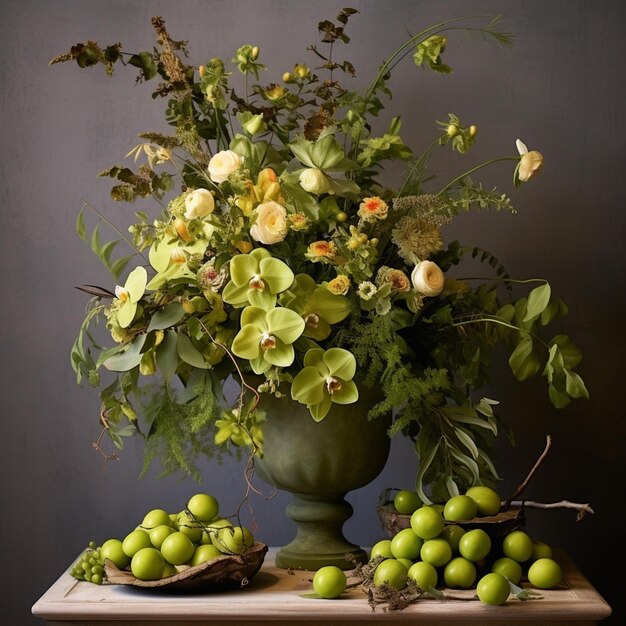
319, 463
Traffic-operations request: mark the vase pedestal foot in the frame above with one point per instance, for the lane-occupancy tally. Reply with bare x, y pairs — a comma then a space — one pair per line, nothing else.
319, 540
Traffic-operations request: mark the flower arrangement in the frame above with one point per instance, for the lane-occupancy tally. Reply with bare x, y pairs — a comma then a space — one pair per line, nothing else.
278, 252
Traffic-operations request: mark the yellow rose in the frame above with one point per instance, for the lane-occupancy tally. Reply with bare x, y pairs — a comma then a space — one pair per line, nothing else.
427, 278
199, 203
372, 209
223, 164
339, 285
271, 223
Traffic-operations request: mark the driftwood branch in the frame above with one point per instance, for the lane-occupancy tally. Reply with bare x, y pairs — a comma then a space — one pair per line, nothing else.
562, 504
528, 478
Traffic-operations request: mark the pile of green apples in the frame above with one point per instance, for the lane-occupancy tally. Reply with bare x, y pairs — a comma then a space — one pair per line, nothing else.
438, 551
166, 543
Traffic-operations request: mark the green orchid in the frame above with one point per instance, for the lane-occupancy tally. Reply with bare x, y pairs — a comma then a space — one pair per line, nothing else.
130, 294
319, 307
265, 337
169, 260
325, 378
256, 279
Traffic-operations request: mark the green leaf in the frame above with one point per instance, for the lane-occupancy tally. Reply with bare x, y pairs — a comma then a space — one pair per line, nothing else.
308, 385
188, 353
130, 358
170, 315
572, 356
467, 441
95, 241
538, 300
167, 356
80, 225
119, 265
524, 361
575, 386
424, 464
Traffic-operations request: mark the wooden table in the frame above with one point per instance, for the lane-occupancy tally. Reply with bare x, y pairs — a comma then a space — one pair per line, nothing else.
275, 595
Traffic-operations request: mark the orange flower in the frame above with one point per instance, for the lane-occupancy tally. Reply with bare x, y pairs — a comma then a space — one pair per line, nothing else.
372, 209
319, 250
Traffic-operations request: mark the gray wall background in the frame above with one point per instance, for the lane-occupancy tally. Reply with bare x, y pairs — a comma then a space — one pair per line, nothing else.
560, 88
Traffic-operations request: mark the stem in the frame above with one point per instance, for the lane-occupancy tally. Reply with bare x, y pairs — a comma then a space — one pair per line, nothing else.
496, 320
528, 478
115, 228
390, 63
417, 164
474, 169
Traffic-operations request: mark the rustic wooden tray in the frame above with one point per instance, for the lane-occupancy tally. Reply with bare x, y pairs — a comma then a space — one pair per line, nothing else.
227, 571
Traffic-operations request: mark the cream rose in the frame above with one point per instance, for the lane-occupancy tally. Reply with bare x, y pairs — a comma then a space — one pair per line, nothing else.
199, 203
314, 181
530, 162
223, 164
427, 278
271, 223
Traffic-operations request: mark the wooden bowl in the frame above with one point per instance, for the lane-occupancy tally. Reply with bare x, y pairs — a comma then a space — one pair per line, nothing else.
222, 572
496, 526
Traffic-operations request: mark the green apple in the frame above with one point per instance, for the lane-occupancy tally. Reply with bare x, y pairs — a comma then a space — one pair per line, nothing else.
541, 551
168, 570
112, 549
493, 589
518, 546
391, 572
424, 574
204, 553
405, 544
135, 541
406, 502
487, 499
436, 551
545, 573
189, 526
459, 573
233, 540
147, 564
460, 508
381, 548
427, 522
452, 533
329, 581
203, 507
212, 527
509, 568
475, 544
154, 518
158, 534
177, 548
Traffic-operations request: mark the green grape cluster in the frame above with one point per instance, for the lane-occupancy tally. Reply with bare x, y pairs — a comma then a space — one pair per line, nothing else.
89, 566
164, 543
439, 550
